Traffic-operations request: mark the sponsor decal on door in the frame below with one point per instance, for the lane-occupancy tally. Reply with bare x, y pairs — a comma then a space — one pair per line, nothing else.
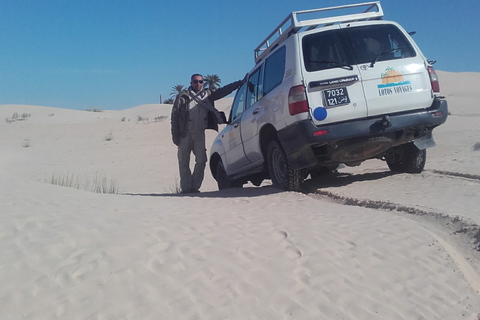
393, 83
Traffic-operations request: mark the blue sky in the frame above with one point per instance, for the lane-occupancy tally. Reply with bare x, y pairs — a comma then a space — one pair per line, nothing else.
117, 54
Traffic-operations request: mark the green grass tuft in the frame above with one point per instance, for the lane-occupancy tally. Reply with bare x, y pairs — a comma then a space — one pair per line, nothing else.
99, 184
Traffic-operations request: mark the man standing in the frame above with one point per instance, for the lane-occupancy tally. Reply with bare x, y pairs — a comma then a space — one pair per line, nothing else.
192, 113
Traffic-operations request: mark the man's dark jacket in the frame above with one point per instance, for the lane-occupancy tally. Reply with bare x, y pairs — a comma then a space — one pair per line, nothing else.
179, 117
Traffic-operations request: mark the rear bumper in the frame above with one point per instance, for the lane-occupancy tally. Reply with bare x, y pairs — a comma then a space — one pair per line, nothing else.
297, 140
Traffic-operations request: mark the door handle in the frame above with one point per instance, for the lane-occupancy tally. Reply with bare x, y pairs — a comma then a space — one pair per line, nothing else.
256, 111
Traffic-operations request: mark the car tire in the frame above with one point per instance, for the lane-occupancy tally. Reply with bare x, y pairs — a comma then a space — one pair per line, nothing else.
223, 181
282, 175
407, 158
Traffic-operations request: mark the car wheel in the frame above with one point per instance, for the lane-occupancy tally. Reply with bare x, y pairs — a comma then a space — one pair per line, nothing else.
407, 158
223, 181
283, 177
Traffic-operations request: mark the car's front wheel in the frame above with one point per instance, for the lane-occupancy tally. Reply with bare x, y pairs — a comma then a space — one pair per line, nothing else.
407, 158
223, 181
282, 175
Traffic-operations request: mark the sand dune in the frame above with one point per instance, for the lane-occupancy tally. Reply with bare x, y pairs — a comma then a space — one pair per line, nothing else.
362, 244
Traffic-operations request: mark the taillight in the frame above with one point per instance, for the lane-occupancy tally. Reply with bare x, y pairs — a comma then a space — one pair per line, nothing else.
297, 100
433, 79
320, 133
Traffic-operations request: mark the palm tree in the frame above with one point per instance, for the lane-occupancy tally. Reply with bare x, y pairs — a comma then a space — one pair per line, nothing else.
176, 91
213, 81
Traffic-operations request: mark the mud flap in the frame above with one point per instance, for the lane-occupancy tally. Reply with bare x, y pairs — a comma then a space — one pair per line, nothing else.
425, 142
301, 159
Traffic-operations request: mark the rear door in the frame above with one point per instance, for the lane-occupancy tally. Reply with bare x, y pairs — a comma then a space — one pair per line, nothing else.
332, 79
391, 67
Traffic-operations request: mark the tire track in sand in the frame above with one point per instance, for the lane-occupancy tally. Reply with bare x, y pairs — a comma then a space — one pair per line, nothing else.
465, 267
471, 230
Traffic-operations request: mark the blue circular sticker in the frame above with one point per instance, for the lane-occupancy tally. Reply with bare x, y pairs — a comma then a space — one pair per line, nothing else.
320, 113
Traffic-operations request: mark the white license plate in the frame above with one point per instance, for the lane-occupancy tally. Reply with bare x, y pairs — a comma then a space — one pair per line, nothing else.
336, 97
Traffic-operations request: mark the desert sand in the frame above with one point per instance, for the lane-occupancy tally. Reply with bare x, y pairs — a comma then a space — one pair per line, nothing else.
360, 244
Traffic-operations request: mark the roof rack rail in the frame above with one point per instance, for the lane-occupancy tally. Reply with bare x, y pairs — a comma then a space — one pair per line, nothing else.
292, 24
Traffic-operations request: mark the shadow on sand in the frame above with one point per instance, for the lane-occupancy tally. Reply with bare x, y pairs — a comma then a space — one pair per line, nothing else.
246, 192
330, 180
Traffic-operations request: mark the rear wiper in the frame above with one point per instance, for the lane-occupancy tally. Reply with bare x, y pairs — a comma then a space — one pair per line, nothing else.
338, 64
382, 53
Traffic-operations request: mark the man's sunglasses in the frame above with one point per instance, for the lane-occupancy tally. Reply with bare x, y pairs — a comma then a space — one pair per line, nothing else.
197, 81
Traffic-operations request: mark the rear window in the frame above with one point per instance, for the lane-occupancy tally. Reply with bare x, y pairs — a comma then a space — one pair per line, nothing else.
345, 47
379, 43
325, 50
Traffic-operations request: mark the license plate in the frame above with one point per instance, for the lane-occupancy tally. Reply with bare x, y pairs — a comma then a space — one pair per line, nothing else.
336, 97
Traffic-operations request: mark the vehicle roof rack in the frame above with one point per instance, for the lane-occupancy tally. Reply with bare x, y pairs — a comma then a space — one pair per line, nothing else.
292, 24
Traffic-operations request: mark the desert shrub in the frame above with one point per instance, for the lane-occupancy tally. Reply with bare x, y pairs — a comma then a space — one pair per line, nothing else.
102, 185
175, 188
99, 184
17, 117
160, 118
109, 137
476, 147
142, 119
26, 143
64, 181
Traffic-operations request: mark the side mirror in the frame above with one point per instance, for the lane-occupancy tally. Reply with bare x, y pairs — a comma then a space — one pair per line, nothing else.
224, 118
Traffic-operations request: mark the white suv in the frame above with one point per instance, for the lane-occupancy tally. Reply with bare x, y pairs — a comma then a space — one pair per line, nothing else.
328, 91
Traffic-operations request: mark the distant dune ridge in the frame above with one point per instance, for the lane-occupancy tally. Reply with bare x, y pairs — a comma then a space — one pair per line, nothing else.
361, 244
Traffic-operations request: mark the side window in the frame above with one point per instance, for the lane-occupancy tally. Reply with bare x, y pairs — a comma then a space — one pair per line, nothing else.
380, 43
238, 105
325, 50
254, 88
274, 70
